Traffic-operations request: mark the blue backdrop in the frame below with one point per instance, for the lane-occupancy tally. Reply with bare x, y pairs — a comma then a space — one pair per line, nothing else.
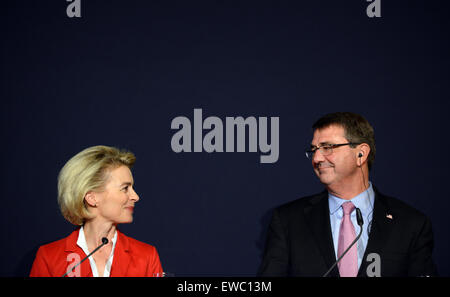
123, 71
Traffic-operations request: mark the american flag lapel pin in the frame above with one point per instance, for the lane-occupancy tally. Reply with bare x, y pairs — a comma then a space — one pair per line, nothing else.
389, 216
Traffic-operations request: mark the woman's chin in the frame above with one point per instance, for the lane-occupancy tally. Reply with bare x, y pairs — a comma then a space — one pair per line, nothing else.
125, 220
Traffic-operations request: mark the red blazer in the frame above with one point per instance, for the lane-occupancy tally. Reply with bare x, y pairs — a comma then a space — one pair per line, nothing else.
131, 258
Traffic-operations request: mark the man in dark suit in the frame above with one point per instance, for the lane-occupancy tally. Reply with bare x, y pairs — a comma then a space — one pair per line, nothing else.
308, 235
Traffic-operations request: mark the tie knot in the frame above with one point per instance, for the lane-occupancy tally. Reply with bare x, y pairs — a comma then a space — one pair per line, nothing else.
348, 207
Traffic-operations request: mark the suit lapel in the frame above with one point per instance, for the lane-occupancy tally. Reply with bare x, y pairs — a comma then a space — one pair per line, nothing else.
122, 258
318, 217
379, 232
72, 248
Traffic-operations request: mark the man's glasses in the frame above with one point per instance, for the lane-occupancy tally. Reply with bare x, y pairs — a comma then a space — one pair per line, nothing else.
325, 149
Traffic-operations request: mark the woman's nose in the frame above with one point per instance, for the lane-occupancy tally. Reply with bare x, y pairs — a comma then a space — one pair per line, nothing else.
134, 196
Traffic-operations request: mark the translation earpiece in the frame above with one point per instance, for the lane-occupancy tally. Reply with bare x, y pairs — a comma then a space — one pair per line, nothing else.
360, 155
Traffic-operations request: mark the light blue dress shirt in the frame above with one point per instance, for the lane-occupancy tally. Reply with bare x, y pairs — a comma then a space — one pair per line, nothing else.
364, 201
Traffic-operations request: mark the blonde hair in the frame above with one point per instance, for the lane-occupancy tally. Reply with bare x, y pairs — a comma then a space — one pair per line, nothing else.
87, 171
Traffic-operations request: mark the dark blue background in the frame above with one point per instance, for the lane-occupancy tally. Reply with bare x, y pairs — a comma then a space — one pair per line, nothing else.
119, 75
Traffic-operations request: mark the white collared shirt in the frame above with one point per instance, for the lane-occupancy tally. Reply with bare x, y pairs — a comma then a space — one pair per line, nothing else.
81, 242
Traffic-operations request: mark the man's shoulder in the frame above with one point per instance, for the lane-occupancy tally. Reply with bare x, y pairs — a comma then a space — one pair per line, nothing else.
302, 203
393, 205
399, 208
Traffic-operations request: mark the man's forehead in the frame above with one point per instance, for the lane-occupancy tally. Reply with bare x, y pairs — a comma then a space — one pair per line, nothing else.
327, 134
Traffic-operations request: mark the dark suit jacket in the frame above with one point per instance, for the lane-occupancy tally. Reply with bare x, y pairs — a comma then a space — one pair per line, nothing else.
131, 258
299, 240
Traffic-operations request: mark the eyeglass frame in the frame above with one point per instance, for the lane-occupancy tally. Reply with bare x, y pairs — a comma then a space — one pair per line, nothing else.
331, 146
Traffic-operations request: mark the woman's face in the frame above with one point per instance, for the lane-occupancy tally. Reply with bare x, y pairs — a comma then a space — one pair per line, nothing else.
116, 203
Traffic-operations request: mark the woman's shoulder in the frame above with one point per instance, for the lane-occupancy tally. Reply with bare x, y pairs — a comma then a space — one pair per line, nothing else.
136, 245
60, 244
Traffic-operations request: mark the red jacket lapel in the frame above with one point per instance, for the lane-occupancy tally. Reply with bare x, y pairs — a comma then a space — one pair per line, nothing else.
121, 260
72, 248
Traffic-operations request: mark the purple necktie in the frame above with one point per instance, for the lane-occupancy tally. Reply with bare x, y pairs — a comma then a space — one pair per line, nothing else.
348, 266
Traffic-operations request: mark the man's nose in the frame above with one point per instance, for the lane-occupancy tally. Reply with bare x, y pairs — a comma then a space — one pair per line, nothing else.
318, 157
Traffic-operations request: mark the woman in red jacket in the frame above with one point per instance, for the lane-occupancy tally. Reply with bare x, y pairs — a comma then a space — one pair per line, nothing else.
95, 192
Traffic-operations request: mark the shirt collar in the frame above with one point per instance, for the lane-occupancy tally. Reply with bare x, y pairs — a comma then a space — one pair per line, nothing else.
360, 201
82, 243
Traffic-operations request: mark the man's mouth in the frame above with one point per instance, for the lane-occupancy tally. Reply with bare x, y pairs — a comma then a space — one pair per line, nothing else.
324, 166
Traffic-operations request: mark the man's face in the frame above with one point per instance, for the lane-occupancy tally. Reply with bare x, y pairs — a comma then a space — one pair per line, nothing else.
338, 168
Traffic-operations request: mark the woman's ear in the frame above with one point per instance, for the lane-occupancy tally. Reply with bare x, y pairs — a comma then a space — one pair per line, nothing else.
91, 199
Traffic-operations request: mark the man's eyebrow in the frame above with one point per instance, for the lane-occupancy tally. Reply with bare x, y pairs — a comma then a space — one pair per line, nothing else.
322, 143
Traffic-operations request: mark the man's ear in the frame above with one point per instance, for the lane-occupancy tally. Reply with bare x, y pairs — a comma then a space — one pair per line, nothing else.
91, 199
363, 151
